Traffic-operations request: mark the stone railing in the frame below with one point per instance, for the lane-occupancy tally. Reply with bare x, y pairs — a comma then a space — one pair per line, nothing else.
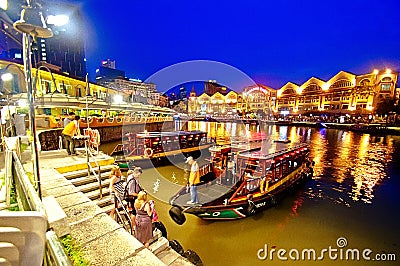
26, 236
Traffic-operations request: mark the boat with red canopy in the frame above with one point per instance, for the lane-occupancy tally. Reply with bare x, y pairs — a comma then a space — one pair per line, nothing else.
241, 181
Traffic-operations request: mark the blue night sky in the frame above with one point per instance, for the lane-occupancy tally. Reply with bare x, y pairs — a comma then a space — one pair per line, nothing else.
273, 42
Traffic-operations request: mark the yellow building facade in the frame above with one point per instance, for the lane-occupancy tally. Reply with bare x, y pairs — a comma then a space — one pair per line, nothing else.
57, 93
344, 93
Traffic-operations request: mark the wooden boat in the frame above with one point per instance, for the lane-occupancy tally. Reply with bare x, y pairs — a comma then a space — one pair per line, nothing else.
147, 149
250, 183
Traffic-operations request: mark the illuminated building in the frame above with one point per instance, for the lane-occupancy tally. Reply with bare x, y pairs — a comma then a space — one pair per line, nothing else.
344, 93
216, 104
258, 98
58, 93
108, 76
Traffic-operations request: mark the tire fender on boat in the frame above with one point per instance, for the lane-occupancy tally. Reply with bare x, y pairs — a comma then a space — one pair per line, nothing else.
175, 245
251, 207
192, 257
177, 215
272, 200
160, 226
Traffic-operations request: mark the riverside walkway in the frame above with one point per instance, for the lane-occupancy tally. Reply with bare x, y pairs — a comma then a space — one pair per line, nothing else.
103, 241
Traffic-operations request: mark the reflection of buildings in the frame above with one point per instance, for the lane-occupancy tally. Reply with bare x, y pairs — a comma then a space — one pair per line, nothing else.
344, 93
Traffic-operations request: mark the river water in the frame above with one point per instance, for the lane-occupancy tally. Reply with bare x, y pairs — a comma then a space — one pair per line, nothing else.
348, 214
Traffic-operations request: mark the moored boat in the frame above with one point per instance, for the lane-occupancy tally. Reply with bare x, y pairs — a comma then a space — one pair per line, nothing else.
146, 149
250, 183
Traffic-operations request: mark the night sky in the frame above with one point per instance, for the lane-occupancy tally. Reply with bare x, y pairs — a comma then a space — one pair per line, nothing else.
273, 42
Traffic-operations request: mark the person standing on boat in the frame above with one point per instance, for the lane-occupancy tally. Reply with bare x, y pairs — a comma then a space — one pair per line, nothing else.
71, 130
69, 118
194, 180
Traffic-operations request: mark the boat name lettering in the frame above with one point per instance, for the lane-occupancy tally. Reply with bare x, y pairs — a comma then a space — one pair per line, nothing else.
261, 204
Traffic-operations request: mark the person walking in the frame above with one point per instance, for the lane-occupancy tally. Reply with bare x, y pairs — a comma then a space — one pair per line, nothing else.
194, 180
71, 130
133, 188
116, 185
143, 223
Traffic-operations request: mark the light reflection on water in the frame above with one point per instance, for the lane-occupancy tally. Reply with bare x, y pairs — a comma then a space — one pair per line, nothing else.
349, 166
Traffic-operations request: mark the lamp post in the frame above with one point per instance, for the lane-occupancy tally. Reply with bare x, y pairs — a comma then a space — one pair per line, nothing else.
32, 26
52, 78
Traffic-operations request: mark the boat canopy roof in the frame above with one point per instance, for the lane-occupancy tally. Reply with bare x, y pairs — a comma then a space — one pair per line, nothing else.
279, 152
167, 134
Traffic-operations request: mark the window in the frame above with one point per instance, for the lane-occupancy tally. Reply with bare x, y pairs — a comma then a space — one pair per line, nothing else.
343, 83
385, 87
312, 88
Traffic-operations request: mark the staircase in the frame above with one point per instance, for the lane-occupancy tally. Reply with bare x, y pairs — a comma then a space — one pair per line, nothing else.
159, 245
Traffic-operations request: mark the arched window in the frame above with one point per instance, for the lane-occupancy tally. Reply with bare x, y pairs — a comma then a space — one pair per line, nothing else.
386, 79
342, 83
311, 88
365, 82
289, 91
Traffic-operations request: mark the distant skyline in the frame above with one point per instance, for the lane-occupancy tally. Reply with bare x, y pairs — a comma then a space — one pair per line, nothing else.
273, 42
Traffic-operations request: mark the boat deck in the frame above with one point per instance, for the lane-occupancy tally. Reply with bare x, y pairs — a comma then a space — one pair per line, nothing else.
206, 193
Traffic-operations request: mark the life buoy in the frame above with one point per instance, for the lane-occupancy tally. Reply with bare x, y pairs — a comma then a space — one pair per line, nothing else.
94, 137
148, 152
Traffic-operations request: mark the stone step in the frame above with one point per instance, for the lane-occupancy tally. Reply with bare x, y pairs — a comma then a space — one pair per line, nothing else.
107, 208
82, 180
95, 194
171, 257
79, 173
94, 186
157, 246
105, 201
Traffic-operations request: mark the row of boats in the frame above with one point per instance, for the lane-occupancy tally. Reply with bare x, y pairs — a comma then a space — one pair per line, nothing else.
238, 178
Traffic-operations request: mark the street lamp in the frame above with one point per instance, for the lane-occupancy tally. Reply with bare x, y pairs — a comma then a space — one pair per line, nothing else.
32, 25
7, 75
52, 78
